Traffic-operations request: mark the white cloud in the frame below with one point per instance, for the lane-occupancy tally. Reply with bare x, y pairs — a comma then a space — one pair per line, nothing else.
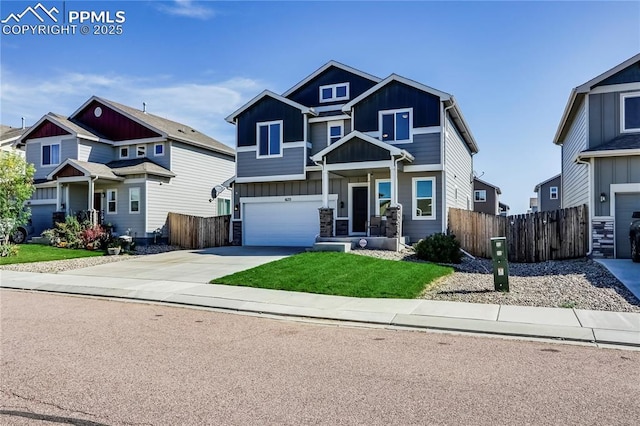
188, 9
200, 105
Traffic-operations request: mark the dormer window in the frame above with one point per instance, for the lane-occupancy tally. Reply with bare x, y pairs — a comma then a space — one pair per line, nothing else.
630, 116
334, 92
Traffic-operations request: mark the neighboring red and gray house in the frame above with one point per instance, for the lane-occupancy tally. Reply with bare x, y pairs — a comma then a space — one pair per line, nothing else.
9, 137
356, 146
121, 165
486, 198
600, 137
548, 194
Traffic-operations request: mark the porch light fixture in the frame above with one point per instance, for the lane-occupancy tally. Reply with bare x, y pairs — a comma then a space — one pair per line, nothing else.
603, 197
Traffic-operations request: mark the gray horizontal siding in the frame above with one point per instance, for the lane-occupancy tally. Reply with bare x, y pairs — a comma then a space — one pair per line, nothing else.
418, 229
291, 163
425, 148
33, 155
545, 202
122, 219
612, 171
458, 169
95, 152
575, 178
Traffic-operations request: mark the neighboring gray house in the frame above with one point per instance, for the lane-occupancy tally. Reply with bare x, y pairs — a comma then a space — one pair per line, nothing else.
9, 137
600, 137
486, 197
359, 148
548, 194
123, 166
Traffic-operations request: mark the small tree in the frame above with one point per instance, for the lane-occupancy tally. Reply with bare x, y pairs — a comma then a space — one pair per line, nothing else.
16, 187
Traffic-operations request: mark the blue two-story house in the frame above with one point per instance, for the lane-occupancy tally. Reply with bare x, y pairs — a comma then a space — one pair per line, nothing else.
346, 154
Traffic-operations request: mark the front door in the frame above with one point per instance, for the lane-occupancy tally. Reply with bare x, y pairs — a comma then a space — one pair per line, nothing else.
97, 205
359, 210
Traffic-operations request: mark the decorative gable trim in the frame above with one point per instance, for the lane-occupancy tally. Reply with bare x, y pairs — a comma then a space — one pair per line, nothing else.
305, 110
109, 105
393, 150
325, 67
53, 120
394, 77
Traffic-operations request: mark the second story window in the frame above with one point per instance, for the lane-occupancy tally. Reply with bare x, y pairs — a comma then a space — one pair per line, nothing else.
553, 192
334, 92
395, 125
51, 154
630, 115
141, 151
124, 152
480, 196
334, 131
158, 149
269, 137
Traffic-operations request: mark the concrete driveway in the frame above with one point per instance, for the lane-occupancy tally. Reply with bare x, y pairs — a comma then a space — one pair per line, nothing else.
189, 265
626, 271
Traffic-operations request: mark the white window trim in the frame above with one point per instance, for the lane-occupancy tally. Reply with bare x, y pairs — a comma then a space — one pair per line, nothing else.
120, 152
379, 181
51, 164
131, 190
478, 192
551, 193
269, 123
395, 111
331, 124
144, 148
333, 88
414, 200
155, 154
107, 212
624, 96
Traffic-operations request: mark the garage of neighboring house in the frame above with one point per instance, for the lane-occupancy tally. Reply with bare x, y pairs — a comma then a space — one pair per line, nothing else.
625, 205
291, 221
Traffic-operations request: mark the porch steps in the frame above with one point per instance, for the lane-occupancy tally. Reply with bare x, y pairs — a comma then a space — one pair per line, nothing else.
332, 246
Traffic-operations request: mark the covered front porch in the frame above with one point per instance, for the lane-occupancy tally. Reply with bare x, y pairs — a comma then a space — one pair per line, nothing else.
373, 214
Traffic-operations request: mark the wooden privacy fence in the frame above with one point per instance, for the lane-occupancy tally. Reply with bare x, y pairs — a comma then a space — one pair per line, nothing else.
195, 232
533, 237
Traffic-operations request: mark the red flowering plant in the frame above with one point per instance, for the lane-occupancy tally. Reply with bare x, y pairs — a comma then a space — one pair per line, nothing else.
93, 236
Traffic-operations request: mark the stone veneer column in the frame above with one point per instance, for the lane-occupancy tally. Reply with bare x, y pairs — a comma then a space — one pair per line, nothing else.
237, 233
394, 219
602, 238
326, 222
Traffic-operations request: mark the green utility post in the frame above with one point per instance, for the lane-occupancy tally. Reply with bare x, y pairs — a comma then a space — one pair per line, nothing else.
500, 265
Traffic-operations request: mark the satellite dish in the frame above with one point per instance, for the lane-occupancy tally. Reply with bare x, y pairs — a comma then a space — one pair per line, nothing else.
217, 190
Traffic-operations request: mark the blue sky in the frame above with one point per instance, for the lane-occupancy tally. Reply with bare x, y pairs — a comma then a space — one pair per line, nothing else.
511, 65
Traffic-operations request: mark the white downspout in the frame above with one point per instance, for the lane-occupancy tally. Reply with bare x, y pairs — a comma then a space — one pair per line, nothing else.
325, 184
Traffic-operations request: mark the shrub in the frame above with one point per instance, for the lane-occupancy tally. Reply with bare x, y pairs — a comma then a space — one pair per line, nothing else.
92, 237
439, 248
7, 249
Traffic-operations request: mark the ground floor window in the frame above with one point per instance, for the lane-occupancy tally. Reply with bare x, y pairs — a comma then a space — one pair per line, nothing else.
112, 201
423, 198
134, 200
383, 196
224, 207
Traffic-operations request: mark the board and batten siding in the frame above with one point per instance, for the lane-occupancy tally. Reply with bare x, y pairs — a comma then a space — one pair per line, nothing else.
291, 163
95, 152
33, 153
613, 170
575, 177
458, 169
197, 171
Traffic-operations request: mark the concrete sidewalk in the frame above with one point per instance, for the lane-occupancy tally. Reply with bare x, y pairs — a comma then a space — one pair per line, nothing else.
555, 323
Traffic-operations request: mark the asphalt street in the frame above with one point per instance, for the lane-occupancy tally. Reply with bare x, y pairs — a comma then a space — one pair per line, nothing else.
84, 361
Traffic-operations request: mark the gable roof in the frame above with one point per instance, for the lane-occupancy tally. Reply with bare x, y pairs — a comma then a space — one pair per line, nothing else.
393, 150
578, 93
304, 109
95, 170
498, 190
445, 97
115, 170
64, 123
11, 134
546, 182
326, 67
168, 128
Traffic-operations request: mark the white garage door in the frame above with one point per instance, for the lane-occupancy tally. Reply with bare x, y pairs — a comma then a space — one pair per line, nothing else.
294, 223
626, 204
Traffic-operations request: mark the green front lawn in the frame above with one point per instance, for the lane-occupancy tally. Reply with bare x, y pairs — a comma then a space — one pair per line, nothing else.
39, 253
341, 274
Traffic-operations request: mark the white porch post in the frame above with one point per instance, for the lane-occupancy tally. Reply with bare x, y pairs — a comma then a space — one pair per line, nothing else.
393, 171
58, 196
325, 185
90, 201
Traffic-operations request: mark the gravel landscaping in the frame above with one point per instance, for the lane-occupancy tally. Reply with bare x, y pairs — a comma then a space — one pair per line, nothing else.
56, 266
579, 283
